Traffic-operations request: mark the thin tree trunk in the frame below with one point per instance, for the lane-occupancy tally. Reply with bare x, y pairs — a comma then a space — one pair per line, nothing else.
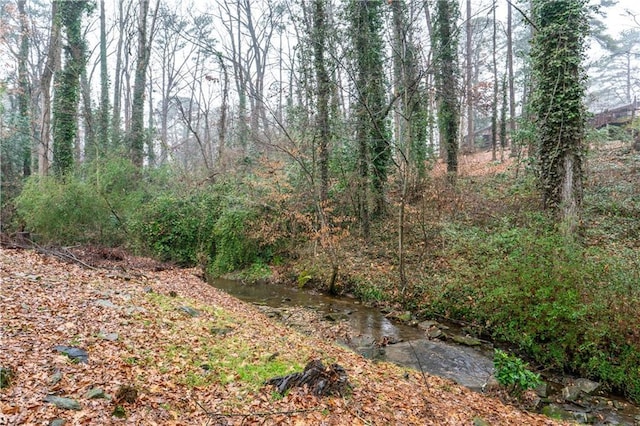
24, 94
224, 106
52, 64
468, 77
103, 127
117, 86
494, 104
512, 92
90, 147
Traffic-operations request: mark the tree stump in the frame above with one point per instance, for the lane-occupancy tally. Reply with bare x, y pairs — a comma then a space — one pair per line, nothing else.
320, 380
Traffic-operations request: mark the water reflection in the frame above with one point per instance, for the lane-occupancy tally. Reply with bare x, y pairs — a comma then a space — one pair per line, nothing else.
363, 319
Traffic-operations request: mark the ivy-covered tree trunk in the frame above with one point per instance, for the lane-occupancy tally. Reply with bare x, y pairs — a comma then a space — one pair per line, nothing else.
557, 103
67, 85
445, 46
24, 95
320, 29
103, 113
137, 136
411, 113
370, 111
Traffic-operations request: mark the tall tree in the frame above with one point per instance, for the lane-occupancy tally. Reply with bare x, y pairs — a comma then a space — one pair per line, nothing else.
67, 85
137, 133
24, 90
121, 58
371, 110
174, 55
103, 114
512, 93
52, 65
557, 54
319, 40
469, 76
411, 110
445, 46
494, 104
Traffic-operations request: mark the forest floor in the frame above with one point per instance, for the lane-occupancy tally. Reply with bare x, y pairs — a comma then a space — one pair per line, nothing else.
164, 348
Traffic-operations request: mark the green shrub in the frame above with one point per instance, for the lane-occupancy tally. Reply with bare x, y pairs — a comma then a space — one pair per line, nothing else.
64, 211
234, 247
563, 305
513, 373
178, 228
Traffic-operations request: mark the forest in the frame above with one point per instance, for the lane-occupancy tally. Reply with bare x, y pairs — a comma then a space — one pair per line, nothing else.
476, 162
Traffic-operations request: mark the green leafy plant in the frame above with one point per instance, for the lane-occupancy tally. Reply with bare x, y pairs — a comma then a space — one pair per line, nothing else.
513, 373
178, 228
234, 248
63, 211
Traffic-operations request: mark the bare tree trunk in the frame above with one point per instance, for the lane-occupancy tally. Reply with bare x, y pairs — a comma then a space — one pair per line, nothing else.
494, 104
52, 64
512, 92
468, 77
103, 127
224, 106
117, 86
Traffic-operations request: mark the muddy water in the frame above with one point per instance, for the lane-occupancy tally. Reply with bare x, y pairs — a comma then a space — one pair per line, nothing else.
470, 367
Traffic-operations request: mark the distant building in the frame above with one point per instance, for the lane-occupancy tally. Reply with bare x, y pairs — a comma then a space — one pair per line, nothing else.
615, 116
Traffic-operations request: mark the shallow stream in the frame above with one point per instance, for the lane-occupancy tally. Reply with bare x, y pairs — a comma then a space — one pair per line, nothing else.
408, 346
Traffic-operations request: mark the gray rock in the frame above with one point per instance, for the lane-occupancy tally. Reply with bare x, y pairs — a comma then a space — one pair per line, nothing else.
133, 309
76, 354
222, 331
571, 393
465, 340
556, 412
55, 377
336, 316
586, 385
464, 365
112, 337
400, 316
189, 311
64, 403
57, 422
103, 303
95, 393
542, 390
426, 325
434, 333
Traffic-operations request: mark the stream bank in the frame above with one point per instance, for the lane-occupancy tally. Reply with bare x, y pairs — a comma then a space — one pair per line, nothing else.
437, 348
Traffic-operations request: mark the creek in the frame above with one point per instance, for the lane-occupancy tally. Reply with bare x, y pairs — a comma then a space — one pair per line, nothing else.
469, 362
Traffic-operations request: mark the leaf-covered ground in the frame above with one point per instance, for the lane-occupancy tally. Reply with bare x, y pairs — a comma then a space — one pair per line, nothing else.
195, 355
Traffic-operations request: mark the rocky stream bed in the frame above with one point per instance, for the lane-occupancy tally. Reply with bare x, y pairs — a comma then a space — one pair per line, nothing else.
434, 347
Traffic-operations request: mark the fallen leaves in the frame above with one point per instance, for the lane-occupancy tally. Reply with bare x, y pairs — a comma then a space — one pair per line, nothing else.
186, 369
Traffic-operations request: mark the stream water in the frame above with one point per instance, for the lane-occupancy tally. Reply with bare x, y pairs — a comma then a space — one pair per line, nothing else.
468, 366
